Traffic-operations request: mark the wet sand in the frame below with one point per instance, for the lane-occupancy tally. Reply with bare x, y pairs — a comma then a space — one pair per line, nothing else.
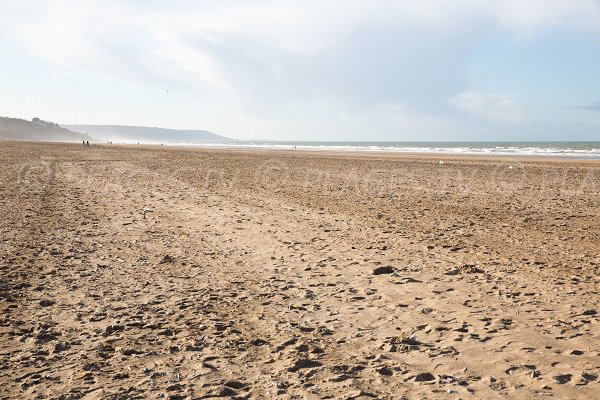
149, 272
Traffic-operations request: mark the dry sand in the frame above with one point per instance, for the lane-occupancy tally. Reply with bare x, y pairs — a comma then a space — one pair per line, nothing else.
183, 273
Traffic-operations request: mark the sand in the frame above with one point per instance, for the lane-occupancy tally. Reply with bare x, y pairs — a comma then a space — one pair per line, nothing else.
154, 272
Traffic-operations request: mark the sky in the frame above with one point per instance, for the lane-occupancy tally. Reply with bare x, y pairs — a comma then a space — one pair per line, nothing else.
349, 70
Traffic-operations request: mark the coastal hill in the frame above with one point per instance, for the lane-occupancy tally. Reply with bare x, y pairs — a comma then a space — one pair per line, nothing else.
36, 129
122, 133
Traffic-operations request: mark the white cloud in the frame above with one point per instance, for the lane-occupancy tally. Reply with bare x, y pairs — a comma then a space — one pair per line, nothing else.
528, 17
493, 106
393, 62
160, 38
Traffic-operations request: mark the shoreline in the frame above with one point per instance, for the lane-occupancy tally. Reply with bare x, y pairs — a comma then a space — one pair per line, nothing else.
352, 153
378, 152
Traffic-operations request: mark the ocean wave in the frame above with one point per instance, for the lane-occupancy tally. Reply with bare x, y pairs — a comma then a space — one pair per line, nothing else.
552, 151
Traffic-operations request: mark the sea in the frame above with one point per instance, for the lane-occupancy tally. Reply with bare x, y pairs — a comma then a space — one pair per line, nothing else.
590, 149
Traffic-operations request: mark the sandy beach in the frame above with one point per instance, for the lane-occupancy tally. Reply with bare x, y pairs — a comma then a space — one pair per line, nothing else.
133, 272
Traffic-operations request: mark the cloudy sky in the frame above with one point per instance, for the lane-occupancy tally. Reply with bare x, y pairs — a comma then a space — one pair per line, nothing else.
309, 70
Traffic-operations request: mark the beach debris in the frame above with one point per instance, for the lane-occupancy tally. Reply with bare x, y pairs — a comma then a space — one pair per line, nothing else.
304, 363
112, 329
46, 303
403, 342
387, 269
405, 338
527, 368
235, 384
465, 269
167, 259
446, 378
61, 346
424, 377
221, 326
131, 352
586, 377
385, 371
258, 342
145, 211
563, 378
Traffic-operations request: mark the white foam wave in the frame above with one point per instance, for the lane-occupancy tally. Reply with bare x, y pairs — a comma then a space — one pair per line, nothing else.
495, 150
